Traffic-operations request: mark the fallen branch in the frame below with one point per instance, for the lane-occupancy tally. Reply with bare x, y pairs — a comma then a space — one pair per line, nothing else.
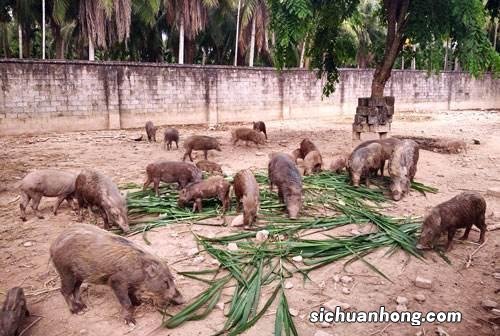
469, 260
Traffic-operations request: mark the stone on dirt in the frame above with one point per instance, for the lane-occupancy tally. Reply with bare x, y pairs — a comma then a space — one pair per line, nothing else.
422, 282
28, 244
293, 312
262, 236
420, 298
325, 325
336, 278
346, 291
297, 258
402, 300
345, 279
288, 285
401, 308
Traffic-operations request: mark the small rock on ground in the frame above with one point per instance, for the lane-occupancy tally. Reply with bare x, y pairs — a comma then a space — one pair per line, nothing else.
402, 300
422, 282
333, 303
420, 297
346, 279
288, 285
232, 247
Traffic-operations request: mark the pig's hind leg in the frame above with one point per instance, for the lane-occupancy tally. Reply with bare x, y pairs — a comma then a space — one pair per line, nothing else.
60, 199
481, 224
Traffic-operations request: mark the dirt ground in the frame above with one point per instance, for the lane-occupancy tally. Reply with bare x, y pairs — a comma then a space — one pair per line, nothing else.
24, 246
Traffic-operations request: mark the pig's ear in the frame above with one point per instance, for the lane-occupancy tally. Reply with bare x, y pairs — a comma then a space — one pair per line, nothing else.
152, 270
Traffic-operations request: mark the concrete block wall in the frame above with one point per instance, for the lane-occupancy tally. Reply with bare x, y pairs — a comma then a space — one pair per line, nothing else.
56, 96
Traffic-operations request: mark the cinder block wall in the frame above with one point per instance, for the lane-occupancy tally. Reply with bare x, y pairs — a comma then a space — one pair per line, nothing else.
56, 96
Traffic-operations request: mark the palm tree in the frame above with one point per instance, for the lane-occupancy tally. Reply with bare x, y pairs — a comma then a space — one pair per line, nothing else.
189, 17
104, 23
254, 23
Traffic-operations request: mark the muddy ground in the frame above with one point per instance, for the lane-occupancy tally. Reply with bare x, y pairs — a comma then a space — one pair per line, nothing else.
24, 245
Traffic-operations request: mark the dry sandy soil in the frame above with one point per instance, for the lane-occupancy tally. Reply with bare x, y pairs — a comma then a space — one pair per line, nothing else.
113, 153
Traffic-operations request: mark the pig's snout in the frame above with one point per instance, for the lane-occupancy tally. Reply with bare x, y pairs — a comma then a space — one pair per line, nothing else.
177, 298
396, 195
420, 247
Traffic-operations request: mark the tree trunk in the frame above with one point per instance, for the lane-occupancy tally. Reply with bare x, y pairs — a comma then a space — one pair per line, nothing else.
58, 40
91, 50
413, 60
252, 41
5, 42
20, 34
495, 35
237, 34
43, 29
190, 51
445, 67
302, 52
26, 42
396, 19
181, 40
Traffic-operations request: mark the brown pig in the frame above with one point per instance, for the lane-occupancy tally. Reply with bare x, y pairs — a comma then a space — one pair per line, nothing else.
388, 146
200, 142
306, 146
151, 131
260, 127
462, 211
313, 162
48, 183
209, 167
246, 191
284, 174
402, 168
94, 189
215, 186
363, 162
247, 134
170, 135
86, 253
171, 172
13, 312
339, 163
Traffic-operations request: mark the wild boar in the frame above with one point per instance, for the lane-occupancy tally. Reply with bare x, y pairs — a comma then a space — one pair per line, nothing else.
215, 186
13, 312
170, 135
171, 172
260, 127
284, 174
200, 142
402, 168
48, 183
462, 211
388, 146
306, 146
151, 131
209, 167
273, 154
363, 162
339, 163
247, 134
246, 191
313, 162
96, 190
85, 253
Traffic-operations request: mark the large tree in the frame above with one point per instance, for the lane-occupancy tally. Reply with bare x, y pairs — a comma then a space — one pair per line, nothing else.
420, 21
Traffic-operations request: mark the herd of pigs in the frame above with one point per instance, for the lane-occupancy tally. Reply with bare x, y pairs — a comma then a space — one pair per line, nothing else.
136, 275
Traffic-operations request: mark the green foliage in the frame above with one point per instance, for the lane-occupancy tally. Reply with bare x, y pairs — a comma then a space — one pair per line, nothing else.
289, 21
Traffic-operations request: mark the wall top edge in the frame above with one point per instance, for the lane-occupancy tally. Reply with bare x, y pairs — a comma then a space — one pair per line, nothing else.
190, 66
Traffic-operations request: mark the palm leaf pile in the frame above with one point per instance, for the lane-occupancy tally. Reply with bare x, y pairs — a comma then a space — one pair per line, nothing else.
257, 269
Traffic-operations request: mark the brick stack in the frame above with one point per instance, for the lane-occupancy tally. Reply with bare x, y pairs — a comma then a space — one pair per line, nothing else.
373, 115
